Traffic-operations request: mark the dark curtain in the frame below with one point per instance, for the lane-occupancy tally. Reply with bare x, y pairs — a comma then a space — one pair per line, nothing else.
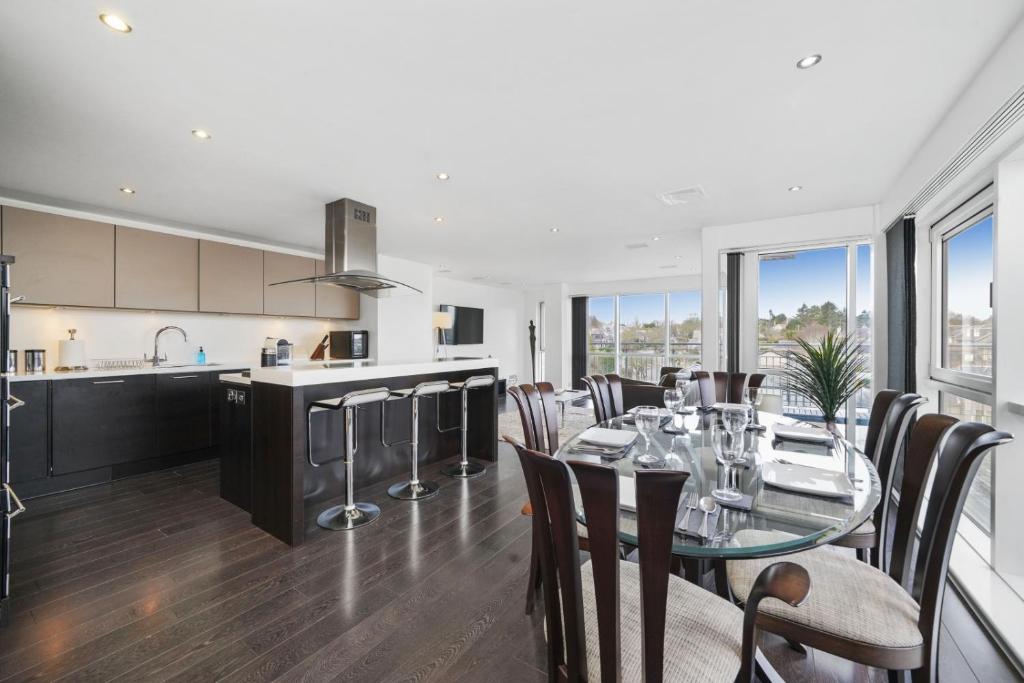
733, 267
579, 340
900, 248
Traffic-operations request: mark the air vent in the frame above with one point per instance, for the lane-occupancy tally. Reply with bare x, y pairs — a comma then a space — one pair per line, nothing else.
683, 196
637, 245
1005, 117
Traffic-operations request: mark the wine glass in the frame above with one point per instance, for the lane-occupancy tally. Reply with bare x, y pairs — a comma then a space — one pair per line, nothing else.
683, 387
648, 419
728, 447
752, 397
672, 400
735, 418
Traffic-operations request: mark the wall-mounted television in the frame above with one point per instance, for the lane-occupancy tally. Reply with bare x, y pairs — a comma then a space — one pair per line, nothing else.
467, 325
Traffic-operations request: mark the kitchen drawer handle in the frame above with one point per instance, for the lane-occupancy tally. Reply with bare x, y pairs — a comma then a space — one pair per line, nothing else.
184, 376
14, 402
109, 381
19, 507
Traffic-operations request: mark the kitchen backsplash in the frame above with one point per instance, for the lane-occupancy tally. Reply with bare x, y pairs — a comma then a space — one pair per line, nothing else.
129, 334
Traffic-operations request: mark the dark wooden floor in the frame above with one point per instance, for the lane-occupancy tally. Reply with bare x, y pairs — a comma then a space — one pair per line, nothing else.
156, 578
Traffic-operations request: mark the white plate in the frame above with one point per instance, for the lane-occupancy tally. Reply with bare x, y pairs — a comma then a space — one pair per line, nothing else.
609, 438
811, 480
802, 433
627, 493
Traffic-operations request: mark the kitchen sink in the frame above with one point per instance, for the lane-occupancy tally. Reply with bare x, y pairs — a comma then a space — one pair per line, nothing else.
187, 365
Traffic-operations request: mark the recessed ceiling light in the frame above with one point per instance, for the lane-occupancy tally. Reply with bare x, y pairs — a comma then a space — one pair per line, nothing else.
442, 176
439, 219
655, 239
127, 190
554, 229
679, 258
796, 188
116, 23
201, 134
808, 61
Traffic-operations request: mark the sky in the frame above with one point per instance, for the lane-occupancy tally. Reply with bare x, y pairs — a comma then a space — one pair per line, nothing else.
969, 270
812, 277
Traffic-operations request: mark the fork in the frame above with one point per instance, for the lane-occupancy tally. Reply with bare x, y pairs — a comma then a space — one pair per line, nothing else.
690, 506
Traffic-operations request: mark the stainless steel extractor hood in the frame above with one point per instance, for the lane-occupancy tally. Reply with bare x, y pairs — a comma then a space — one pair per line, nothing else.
351, 252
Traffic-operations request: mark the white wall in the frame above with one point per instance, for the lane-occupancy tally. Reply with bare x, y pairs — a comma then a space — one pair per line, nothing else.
129, 334
775, 232
403, 322
506, 336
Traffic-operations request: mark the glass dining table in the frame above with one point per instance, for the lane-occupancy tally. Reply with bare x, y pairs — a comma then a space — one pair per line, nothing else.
779, 521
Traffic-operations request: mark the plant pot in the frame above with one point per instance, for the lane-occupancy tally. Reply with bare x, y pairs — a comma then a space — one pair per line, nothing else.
833, 427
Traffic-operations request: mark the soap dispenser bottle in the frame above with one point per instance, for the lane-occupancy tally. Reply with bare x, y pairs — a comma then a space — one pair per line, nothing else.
201, 356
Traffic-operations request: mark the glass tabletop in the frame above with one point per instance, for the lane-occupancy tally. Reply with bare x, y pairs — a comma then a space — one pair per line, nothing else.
779, 521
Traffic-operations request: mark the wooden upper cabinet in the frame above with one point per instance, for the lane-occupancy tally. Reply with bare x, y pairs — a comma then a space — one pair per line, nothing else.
293, 299
156, 271
59, 260
230, 278
335, 302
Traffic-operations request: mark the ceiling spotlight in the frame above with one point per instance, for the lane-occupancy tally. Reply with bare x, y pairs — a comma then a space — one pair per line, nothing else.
201, 134
116, 23
655, 239
554, 229
127, 190
808, 61
439, 219
796, 188
679, 258
442, 176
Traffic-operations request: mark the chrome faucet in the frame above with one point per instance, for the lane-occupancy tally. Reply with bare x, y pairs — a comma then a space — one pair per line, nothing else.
156, 359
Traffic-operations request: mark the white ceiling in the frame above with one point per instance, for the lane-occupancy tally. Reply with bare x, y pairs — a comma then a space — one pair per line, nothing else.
568, 114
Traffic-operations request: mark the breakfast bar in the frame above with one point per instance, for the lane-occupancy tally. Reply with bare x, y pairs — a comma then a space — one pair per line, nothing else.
284, 485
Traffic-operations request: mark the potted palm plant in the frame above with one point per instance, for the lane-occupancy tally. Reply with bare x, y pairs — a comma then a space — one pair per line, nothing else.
828, 373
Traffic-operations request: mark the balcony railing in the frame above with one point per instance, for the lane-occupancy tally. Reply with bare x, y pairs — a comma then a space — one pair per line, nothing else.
639, 361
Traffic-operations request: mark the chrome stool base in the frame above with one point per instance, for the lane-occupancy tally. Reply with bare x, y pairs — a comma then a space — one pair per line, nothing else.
464, 470
338, 518
407, 490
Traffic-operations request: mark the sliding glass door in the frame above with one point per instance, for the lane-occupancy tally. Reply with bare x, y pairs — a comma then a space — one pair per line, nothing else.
801, 295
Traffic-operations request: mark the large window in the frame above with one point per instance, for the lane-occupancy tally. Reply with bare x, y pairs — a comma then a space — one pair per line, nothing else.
803, 294
963, 318
636, 335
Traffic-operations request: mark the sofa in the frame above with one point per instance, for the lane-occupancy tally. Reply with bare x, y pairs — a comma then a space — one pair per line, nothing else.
638, 393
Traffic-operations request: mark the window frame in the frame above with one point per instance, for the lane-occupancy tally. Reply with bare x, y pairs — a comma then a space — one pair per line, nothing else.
616, 321
975, 209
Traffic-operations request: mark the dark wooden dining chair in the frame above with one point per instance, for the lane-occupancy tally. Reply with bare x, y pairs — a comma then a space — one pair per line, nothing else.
538, 414
606, 395
621, 621
889, 426
711, 388
889, 620
738, 382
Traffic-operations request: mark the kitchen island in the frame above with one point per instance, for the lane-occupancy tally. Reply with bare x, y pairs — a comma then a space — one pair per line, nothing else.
283, 483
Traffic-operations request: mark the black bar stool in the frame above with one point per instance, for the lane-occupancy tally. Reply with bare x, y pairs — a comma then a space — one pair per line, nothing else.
351, 514
464, 468
414, 489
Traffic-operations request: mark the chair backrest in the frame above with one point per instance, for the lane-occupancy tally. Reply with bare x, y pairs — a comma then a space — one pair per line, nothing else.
954, 449
721, 386
595, 397
705, 388
615, 403
538, 414
737, 381
890, 434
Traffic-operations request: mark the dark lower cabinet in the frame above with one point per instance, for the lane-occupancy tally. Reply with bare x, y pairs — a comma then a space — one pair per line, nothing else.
182, 412
101, 422
235, 418
30, 431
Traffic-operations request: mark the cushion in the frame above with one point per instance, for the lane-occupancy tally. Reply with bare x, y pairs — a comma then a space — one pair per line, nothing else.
848, 598
703, 632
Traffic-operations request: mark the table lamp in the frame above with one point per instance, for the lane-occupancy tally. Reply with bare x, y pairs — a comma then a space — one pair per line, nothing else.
442, 320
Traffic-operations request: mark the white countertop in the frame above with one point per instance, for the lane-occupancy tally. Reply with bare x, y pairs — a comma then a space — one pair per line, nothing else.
148, 370
235, 378
309, 372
